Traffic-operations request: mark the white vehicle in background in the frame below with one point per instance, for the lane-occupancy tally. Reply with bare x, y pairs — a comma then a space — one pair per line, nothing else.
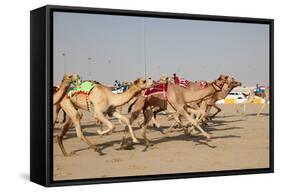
233, 97
237, 95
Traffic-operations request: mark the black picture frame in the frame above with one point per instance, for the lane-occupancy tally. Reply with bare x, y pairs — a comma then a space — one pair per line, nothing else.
41, 145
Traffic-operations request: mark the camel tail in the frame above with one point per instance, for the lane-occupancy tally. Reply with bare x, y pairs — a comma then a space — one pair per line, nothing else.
131, 105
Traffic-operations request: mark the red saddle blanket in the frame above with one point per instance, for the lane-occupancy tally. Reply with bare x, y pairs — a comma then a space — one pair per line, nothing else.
184, 83
160, 88
203, 84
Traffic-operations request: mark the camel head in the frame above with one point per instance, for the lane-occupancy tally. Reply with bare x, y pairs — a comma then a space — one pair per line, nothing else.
231, 82
143, 83
71, 78
223, 77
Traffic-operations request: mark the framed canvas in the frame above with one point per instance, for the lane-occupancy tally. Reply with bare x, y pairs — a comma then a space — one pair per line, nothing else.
125, 95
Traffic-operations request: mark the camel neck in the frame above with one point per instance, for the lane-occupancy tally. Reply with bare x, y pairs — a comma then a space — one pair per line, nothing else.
61, 92
224, 92
125, 97
191, 96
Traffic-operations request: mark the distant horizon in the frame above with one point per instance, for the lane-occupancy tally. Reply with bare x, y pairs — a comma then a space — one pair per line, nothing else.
107, 48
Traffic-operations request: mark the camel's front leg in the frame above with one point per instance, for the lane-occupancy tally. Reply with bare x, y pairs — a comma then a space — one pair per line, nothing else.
56, 109
217, 112
127, 122
192, 121
147, 117
175, 116
60, 136
262, 107
101, 117
75, 117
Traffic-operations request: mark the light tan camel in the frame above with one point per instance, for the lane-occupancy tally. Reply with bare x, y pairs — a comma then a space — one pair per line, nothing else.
103, 102
250, 99
176, 96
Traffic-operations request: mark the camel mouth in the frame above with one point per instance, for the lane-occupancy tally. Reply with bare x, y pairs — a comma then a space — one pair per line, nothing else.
237, 84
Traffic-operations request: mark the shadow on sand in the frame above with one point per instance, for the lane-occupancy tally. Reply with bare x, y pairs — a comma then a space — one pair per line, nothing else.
198, 140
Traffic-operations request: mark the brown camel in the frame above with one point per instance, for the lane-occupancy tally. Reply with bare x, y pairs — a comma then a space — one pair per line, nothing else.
230, 84
103, 102
251, 97
176, 96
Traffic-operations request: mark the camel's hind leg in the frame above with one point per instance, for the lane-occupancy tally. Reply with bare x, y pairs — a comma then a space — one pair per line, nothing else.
75, 117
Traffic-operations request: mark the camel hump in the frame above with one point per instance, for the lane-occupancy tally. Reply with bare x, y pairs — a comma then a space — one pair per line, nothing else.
84, 87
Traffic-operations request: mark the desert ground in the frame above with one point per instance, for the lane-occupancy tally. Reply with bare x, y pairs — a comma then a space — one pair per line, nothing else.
238, 142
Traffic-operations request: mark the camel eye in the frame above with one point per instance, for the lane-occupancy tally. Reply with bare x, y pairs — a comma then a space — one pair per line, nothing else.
144, 81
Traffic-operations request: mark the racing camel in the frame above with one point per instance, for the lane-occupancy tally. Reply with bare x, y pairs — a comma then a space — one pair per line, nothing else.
207, 103
251, 97
103, 102
177, 97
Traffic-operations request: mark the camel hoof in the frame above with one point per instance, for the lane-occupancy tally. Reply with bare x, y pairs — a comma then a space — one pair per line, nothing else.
71, 154
136, 141
150, 144
100, 132
97, 149
194, 132
208, 136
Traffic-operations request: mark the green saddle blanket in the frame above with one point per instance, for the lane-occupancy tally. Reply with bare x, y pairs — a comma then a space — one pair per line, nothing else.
85, 87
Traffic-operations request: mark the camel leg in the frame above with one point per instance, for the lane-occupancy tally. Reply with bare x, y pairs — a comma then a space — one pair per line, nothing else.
155, 123
244, 106
147, 117
182, 112
218, 111
171, 128
60, 136
101, 117
140, 122
262, 107
134, 116
75, 117
63, 117
127, 122
56, 109
177, 121
196, 113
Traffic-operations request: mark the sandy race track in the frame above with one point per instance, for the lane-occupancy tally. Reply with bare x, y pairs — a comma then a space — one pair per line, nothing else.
237, 143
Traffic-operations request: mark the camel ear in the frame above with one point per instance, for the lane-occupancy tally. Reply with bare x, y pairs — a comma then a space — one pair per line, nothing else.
137, 81
221, 76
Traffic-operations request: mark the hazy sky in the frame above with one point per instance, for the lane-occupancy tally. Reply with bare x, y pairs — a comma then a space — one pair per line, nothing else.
106, 48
